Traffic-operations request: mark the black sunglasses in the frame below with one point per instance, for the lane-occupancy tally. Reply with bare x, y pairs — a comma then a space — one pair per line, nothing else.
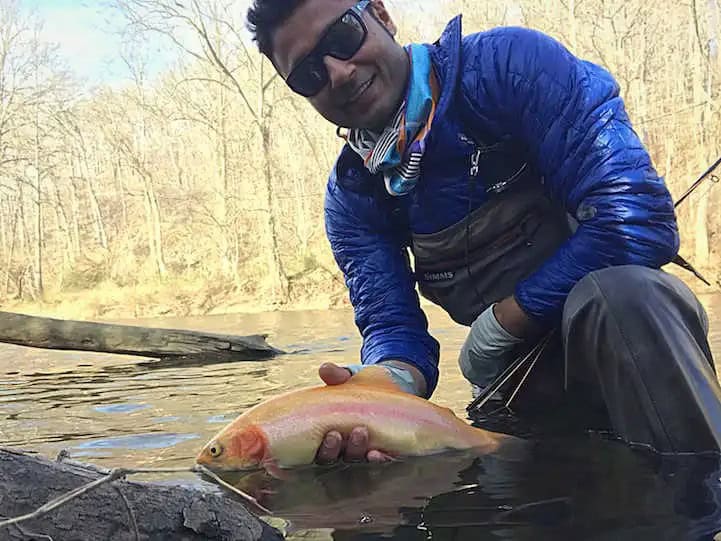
341, 40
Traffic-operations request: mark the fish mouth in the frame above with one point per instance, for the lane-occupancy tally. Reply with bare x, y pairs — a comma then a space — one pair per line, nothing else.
226, 468
203, 460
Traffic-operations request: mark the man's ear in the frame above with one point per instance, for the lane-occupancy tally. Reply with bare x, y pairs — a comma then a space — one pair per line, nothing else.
379, 11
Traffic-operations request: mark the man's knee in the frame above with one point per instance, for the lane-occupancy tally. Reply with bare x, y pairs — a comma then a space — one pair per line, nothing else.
606, 287
631, 289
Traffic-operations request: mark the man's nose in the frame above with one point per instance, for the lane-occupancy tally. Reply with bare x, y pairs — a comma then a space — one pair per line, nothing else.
339, 71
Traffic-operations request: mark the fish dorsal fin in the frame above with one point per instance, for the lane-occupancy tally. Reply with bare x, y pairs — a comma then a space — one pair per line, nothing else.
374, 376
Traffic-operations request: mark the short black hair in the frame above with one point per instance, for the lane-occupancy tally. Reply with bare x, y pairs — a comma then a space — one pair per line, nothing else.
265, 16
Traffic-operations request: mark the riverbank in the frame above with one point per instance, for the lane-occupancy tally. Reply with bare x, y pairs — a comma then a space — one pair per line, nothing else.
186, 298
180, 298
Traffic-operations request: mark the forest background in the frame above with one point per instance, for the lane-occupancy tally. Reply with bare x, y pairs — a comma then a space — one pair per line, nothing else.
197, 187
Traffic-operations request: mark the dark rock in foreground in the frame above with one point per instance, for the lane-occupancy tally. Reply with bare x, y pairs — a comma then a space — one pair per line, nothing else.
161, 511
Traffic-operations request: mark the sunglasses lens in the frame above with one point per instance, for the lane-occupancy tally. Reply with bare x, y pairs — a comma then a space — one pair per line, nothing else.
341, 41
308, 78
345, 37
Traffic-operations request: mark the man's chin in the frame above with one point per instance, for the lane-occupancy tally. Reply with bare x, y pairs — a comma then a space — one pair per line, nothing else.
374, 119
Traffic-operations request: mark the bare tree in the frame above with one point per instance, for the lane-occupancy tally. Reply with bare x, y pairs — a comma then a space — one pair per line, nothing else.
218, 42
208, 173
32, 84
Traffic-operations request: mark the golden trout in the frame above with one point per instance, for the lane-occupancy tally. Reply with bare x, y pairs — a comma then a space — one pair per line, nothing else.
287, 430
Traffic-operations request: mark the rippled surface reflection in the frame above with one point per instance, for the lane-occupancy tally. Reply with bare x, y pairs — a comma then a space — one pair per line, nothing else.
126, 411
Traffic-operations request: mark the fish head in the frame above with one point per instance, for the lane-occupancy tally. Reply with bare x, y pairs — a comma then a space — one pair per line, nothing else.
237, 448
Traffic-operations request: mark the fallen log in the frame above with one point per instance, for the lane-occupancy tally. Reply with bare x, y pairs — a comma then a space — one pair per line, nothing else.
120, 510
49, 333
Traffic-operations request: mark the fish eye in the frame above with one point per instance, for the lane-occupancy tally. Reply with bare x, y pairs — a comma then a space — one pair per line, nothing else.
215, 450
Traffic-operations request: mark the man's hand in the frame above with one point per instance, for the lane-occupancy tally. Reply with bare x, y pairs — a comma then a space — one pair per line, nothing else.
355, 448
492, 340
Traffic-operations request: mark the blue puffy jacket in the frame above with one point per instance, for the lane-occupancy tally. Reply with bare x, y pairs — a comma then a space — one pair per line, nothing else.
565, 115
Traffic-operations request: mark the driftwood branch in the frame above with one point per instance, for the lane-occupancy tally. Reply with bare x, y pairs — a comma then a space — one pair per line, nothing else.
48, 333
53, 501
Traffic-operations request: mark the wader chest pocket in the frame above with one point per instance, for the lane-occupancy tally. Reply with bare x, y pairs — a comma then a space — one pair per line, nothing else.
479, 260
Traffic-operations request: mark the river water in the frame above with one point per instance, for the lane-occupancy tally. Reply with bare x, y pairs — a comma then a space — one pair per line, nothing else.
125, 411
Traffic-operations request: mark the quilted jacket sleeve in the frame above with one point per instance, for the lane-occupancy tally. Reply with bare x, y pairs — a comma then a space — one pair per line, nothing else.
382, 288
569, 115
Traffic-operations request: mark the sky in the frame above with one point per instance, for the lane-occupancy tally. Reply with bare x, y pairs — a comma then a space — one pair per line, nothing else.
88, 33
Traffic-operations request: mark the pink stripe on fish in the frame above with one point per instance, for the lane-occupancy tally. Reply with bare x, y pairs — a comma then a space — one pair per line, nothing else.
298, 420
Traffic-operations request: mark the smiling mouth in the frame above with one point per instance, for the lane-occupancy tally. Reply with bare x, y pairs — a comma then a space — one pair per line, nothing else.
358, 93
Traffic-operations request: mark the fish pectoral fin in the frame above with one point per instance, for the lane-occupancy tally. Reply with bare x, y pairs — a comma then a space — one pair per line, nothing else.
271, 466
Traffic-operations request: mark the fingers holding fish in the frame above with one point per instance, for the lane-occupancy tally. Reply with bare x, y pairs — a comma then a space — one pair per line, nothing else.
330, 449
357, 446
356, 449
379, 457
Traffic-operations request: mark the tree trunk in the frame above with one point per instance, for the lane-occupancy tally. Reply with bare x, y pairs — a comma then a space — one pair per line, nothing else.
181, 511
64, 230
11, 251
303, 216
701, 251
26, 287
97, 216
223, 194
4, 214
279, 278
714, 8
703, 91
120, 193
38, 275
74, 218
572, 25
277, 271
155, 236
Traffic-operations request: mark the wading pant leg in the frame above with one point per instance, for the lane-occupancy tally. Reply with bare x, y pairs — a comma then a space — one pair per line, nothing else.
635, 339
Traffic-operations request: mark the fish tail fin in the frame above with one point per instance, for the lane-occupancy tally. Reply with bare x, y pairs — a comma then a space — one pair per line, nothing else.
502, 445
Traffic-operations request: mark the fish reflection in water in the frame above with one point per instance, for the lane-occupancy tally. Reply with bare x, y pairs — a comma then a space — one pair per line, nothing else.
356, 496
592, 489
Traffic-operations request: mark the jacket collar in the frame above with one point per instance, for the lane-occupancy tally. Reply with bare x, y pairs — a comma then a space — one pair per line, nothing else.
445, 55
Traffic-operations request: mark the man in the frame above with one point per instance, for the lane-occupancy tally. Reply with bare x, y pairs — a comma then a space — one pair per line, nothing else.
510, 170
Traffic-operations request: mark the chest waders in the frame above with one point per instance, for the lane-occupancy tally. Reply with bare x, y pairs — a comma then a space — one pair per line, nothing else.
631, 354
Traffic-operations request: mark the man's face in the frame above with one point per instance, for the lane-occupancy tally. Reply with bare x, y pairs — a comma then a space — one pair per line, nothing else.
363, 92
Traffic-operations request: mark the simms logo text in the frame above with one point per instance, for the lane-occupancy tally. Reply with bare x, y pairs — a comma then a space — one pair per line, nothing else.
438, 276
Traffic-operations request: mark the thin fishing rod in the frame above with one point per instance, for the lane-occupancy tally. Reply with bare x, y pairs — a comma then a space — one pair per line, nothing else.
678, 260
698, 182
